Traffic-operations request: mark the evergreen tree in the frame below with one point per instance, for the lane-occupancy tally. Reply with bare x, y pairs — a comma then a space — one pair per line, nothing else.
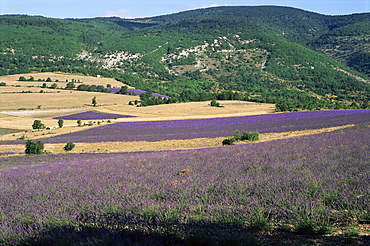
69, 146
94, 102
38, 125
34, 148
60, 123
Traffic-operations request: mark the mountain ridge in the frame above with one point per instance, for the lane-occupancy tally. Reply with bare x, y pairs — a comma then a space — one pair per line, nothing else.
264, 52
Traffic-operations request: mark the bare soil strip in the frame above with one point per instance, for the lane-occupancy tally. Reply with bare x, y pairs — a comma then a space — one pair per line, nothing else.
164, 145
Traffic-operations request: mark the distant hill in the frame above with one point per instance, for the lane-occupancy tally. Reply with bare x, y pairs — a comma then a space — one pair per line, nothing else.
265, 53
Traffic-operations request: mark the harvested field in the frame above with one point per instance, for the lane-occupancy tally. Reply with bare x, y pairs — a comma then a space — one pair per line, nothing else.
63, 99
194, 110
166, 144
25, 89
88, 80
211, 128
53, 106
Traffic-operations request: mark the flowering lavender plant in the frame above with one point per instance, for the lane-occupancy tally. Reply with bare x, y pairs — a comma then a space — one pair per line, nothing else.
308, 184
217, 127
92, 115
136, 92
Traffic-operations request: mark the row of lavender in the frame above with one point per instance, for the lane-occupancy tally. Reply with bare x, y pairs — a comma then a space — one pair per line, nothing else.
92, 115
218, 127
309, 184
208, 128
136, 92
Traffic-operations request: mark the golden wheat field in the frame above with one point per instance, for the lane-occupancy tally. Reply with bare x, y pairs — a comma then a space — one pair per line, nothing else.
22, 102
63, 78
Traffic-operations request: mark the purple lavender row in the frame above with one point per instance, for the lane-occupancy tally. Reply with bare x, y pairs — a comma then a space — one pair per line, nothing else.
235, 120
209, 128
9, 153
322, 178
92, 115
136, 91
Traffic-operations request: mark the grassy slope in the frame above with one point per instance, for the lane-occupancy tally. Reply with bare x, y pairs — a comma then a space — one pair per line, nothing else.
279, 35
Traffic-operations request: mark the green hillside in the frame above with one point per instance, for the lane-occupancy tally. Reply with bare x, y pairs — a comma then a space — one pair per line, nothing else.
266, 54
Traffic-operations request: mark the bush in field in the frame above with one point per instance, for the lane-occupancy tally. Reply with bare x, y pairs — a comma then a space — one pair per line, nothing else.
70, 85
245, 136
123, 90
214, 103
54, 86
60, 123
228, 141
79, 122
94, 102
249, 136
34, 148
38, 125
69, 146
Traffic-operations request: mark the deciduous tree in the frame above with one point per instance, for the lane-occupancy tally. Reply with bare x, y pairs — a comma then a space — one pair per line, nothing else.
94, 102
34, 148
38, 125
60, 123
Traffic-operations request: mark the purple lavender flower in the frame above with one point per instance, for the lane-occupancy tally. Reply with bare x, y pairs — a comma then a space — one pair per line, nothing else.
136, 91
322, 178
217, 127
92, 115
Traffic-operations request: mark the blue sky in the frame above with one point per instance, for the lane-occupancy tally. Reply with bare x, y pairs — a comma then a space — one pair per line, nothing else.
149, 8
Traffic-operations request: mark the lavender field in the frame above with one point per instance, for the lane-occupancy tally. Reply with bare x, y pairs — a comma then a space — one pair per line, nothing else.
209, 128
217, 196
136, 92
91, 115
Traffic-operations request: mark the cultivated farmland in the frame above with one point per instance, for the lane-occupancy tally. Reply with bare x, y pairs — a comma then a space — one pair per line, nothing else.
63, 78
311, 185
126, 184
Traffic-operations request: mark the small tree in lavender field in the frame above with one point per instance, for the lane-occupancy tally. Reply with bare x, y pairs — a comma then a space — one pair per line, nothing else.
34, 148
214, 103
94, 102
69, 146
60, 123
79, 122
38, 125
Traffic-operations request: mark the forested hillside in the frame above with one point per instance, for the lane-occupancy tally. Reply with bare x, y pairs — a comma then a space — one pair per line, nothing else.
266, 54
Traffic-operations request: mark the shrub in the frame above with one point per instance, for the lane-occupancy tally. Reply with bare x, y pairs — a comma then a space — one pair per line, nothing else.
214, 103
54, 86
38, 125
60, 123
245, 136
237, 136
69, 146
228, 141
249, 136
94, 102
34, 148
